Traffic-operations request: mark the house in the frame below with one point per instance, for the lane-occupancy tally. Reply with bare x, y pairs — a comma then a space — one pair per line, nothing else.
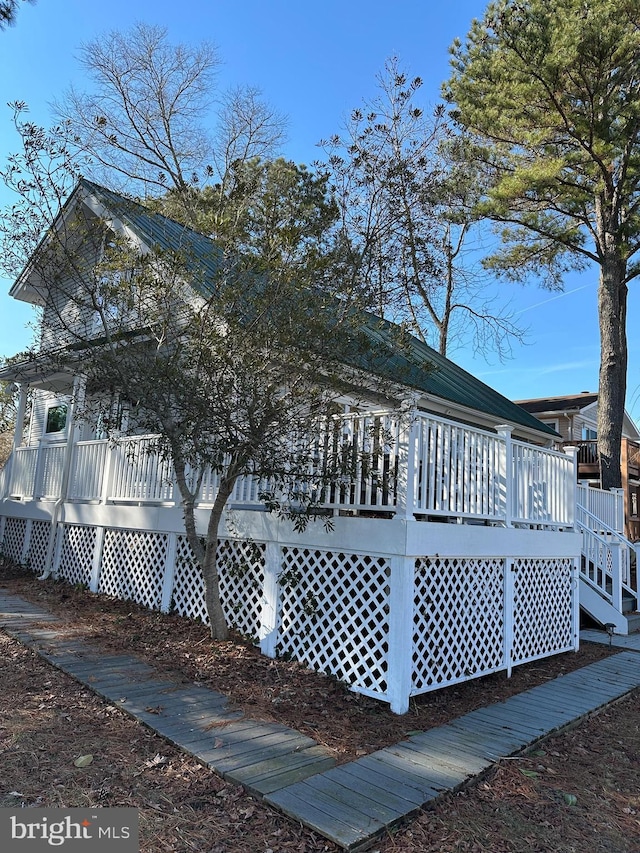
463, 563
575, 418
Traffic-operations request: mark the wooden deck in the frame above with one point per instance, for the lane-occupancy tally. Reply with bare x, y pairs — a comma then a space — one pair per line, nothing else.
351, 804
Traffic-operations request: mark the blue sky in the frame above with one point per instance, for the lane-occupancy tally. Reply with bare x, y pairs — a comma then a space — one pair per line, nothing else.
314, 61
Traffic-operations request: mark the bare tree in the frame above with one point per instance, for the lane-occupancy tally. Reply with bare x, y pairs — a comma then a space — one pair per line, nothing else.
407, 219
154, 117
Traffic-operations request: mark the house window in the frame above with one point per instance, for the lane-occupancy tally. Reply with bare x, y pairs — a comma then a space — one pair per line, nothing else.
56, 418
589, 434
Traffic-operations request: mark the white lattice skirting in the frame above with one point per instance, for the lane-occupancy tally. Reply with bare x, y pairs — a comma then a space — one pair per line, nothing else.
389, 626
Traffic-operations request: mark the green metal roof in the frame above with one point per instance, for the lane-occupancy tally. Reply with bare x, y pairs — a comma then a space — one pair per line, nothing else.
161, 232
413, 363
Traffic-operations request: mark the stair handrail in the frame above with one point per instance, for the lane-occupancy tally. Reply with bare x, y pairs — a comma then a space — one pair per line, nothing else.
608, 535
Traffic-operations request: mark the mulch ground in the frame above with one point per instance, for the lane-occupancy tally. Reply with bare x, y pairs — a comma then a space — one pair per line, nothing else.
580, 792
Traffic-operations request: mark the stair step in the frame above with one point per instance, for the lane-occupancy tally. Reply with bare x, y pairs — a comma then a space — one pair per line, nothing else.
634, 622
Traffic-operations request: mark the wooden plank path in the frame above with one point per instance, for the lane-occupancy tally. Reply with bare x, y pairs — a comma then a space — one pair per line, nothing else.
355, 803
352, 804
261, 756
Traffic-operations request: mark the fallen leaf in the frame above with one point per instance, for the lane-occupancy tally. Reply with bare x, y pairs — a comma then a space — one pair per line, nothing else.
531, 774
570, 799
83, 761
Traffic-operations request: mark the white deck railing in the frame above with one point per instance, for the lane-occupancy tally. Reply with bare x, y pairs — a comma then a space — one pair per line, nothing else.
544, 483
460, 471
428, 467
607, 506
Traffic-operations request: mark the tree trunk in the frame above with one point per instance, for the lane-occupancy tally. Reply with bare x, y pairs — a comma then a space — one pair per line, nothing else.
206, 554
217, 621
612, 313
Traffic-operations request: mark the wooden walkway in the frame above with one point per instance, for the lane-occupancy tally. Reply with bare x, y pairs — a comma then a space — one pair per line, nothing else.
261, 756
352, 804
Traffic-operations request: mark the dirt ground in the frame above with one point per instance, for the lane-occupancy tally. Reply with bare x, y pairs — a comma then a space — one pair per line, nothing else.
579, 792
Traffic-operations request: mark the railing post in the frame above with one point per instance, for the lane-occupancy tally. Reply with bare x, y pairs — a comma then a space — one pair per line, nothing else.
38, 471
407, 447
616, 576
572, 497
107, 474
619, 509
510, 482
400, 654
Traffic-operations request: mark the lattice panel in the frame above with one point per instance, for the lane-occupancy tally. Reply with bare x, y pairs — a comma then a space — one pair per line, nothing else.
13, 541
241, 571
76, 553
38, 546
133, 565
543, 608
188, 584
458, 621
333, 615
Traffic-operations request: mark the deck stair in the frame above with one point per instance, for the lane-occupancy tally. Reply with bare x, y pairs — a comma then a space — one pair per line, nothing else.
608, 574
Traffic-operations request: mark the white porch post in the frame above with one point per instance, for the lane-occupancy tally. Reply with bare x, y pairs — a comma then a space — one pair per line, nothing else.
506, 474
400, 660
270, 599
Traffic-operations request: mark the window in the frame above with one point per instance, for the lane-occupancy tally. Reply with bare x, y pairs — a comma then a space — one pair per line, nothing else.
589, 434
56, 418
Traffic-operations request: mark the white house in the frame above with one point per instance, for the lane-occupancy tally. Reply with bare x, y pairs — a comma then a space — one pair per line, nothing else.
575, 418
466, 563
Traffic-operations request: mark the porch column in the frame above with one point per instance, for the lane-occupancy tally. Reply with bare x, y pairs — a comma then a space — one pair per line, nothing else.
270, 604
400, 654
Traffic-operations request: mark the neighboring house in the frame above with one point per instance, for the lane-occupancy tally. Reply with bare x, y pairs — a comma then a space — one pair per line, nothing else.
575, 417
463, 564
